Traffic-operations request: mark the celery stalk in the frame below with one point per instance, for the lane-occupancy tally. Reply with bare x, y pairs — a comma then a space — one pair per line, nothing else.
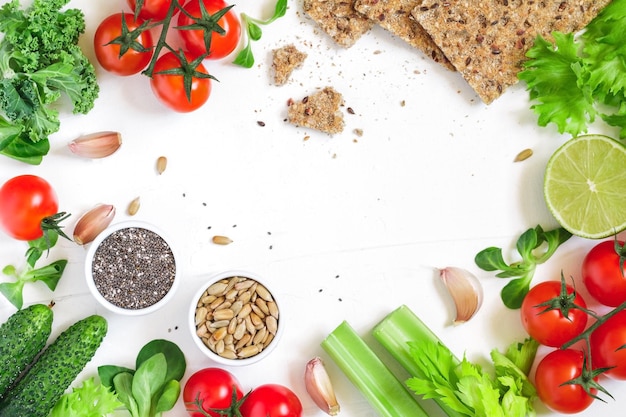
395, 331
389, 396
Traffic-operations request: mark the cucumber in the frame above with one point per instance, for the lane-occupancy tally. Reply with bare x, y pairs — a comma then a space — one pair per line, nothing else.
55, 369
22, 337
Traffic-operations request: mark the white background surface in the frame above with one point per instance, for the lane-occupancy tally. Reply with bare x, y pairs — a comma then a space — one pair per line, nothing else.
343, 227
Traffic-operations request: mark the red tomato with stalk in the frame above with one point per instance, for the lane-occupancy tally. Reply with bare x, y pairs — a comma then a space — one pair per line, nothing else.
603, 272
211, 389
151, 9
608, 346
220, 23
121, 45
271, 400
28, 207
548, 314
551, 375
181, 85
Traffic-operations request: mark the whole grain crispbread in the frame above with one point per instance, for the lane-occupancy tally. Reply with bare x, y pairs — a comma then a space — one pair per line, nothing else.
338, 19
487, 40
395, 16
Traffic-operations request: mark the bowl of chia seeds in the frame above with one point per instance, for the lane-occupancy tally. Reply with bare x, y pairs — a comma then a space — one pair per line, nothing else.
132, 268
235, 319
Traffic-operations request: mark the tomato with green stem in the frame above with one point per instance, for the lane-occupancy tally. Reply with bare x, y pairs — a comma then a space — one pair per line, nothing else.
209, 27
180, 84
562, 382
608, 346
29, 208
553, 313
271, 400
150, 9
123, 44
603, 272
209, 390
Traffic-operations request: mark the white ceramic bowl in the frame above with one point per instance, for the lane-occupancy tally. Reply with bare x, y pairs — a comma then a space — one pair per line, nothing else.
212, 354
108, 302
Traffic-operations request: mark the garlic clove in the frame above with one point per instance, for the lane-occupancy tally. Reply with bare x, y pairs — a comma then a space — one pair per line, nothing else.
319, 387
465, 290
93, 223
96, 145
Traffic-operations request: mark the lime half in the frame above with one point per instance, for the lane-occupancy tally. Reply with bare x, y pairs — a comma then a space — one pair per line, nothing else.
585, 186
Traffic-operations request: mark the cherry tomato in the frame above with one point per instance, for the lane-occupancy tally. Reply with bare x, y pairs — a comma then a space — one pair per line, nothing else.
151, 9
25, 201
271, 400
551, 328
170, 88
603, 273
606, 346
108, 54
221, 45
555, 368
210, 388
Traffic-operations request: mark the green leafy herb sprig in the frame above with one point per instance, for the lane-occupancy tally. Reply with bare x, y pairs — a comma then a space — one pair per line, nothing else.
245, 58
49, 274
535, 246
90, 399
154, 386
575, 79
468, 389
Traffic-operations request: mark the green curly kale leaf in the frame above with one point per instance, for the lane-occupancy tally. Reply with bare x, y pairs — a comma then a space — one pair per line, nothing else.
40, 61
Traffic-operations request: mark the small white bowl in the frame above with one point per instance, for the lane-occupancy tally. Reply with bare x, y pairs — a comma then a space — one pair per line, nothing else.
239, 361
107, 301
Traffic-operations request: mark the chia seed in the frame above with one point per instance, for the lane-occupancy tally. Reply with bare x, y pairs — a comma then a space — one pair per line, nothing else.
133, 268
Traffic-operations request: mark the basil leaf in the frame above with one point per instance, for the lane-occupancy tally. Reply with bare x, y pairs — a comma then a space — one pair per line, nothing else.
108, 372
514, 292
122, 383
147, 381
168, 397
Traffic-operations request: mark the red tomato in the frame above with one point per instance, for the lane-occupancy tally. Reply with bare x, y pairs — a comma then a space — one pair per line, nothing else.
108, 54
25, 201
271, 400
606, 346
221, 45
603, 273
170, 88
151, 9
210, 388
551, 328
556, 368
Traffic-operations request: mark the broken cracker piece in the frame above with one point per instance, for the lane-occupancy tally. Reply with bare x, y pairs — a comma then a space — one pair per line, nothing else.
284, 61
338, 19
319, 111
395, 17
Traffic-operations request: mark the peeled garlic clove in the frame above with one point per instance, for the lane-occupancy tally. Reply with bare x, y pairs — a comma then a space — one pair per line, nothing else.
96, 145
93, 222
319, 387
465, 290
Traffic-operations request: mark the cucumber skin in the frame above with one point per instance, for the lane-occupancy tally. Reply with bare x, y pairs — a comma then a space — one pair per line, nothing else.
57, 367
22, 337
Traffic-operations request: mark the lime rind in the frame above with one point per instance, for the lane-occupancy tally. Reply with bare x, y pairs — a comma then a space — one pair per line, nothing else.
585, 186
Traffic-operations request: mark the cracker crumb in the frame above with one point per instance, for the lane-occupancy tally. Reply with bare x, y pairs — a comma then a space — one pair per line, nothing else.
319, 111
285, 60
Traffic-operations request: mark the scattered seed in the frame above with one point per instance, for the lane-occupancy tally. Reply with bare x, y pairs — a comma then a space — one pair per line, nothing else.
161, 164
523, 155
133, 207
350, 110
261, 123
222, 240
